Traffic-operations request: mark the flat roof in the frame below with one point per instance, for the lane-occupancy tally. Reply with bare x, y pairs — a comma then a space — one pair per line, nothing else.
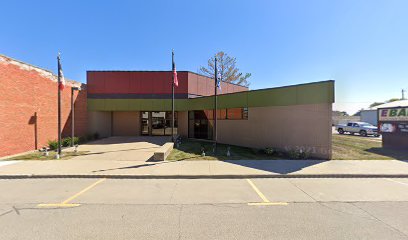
400, 103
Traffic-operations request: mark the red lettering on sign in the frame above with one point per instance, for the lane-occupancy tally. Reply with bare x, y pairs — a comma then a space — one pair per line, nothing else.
384, 113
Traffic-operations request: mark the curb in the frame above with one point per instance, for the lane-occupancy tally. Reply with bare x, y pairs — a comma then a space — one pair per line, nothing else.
225, 176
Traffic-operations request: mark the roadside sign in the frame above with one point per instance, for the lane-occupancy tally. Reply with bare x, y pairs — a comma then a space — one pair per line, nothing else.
393, 114
393, 127
393, 120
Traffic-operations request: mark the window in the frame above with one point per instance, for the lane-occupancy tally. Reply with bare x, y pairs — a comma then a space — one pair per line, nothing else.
158, 123
200, 123
234, 113
222, 114
245, 113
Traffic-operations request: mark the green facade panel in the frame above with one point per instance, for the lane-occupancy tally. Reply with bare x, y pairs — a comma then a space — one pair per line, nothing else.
234, 100
315, 93
96, 104
312, 93
181, 104
134, 105
117, 104
272, 97
200, 103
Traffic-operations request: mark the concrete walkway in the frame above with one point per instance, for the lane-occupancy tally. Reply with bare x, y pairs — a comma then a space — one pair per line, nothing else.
131, 157
205, 169
122, 148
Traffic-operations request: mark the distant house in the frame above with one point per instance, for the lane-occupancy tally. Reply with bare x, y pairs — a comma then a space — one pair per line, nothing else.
339, 117
370, 115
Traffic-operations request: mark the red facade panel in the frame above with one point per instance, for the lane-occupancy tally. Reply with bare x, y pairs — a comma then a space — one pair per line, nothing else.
192, 83
238, 88
201, 87
123, 82
210, 87
117, 82
159, 82
96, 84
225, 88
134, 85
183, 82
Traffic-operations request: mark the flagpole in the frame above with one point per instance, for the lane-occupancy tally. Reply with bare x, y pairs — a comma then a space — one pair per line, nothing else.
72, 117
215, 104
59, 107
172, 96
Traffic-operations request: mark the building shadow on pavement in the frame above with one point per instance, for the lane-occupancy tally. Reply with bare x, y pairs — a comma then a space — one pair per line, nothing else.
391, 153
272, 166
276, 166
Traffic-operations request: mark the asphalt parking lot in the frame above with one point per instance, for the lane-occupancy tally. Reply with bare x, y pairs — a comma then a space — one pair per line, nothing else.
337, 208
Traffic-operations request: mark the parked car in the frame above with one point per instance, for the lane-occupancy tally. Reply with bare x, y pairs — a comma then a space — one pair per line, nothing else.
362, 128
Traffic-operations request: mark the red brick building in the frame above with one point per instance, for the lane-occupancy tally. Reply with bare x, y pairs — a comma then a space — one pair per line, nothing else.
28, 107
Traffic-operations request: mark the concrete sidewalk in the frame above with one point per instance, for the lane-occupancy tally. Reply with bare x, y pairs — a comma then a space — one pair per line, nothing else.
205, 169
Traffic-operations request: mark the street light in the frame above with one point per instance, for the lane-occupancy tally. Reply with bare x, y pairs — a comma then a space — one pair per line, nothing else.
73, 114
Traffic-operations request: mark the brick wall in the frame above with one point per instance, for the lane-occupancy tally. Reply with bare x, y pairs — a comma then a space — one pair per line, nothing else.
28, 107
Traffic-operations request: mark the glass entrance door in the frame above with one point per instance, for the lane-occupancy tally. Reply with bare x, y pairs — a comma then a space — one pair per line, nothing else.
145, 123
169, 119
158, 123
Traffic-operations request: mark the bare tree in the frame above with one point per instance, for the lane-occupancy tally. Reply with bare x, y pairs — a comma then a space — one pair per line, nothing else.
227, 70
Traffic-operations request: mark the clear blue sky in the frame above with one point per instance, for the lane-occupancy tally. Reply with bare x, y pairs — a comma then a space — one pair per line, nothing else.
363, 45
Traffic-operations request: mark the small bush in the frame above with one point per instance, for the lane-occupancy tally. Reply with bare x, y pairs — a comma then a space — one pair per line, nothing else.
66, 142
53, 144
304, 154
293, 154
76, 140
270, 151
298, 154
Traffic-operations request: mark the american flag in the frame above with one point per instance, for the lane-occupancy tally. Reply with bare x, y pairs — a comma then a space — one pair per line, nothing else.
61, 84
175, 81
219, 81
